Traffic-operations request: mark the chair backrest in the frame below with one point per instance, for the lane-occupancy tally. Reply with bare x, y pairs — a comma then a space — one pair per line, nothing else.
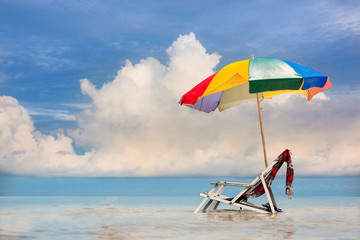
269, 175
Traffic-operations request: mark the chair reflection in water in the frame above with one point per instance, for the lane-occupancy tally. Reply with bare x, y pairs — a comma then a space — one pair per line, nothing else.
260, 185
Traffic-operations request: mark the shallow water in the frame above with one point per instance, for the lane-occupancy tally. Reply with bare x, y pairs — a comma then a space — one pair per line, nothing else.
172, 218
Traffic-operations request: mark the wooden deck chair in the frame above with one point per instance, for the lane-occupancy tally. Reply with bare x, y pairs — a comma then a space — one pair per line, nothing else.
260, 185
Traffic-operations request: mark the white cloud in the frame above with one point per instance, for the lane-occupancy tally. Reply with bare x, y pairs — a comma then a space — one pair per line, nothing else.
188, 62
26, 151
136, 128
344, 17
63, 115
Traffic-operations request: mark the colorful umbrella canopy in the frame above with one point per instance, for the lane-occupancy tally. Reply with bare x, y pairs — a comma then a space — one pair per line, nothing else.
253, 80
238, 82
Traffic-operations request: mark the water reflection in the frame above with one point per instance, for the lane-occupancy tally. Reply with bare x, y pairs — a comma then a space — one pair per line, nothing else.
144, 221
248, 223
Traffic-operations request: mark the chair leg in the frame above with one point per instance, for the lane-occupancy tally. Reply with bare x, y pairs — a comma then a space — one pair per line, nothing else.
272, 197
216, 205
201, 205
207, 205
212, 205
205, 200
268, 195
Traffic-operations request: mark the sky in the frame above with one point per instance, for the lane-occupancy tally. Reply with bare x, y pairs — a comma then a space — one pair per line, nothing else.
91, 88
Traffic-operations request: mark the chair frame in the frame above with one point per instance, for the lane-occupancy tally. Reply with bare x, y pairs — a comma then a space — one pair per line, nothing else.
213, 198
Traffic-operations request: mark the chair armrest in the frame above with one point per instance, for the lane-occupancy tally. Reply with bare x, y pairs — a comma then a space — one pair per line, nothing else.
235, 184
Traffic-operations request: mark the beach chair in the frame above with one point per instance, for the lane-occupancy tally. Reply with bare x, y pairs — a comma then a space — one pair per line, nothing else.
260, 185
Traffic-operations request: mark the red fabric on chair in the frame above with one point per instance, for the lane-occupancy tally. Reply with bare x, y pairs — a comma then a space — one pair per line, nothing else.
259, 190
283, 157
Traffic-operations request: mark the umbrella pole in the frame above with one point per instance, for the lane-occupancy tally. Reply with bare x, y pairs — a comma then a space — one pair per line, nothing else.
261, 128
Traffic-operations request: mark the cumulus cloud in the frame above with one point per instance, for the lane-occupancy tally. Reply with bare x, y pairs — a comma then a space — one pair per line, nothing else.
136, 128
23, 150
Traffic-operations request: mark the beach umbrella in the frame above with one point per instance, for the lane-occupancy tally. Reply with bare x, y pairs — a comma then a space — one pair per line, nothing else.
253, 80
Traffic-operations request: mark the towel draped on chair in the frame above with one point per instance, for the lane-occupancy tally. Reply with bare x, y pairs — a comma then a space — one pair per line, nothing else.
259, 190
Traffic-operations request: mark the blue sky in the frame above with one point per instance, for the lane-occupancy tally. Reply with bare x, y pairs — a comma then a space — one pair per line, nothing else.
47, 47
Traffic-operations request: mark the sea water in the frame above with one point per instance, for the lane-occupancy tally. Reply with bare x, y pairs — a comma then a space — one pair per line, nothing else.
162, 208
